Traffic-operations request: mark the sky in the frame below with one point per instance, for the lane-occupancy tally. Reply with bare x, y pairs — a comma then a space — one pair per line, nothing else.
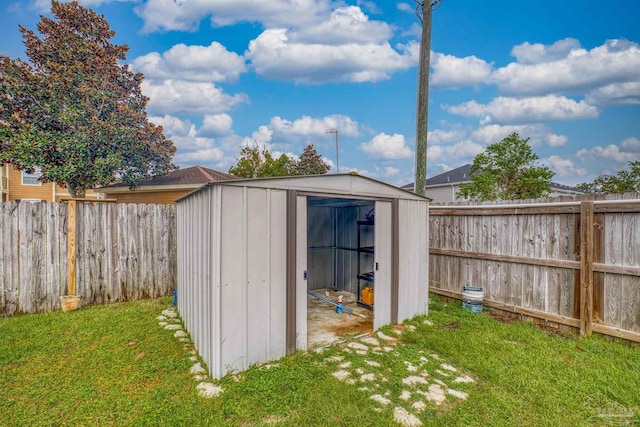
222, 74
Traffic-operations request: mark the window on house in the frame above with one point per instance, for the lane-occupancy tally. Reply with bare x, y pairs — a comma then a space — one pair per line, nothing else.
31, 178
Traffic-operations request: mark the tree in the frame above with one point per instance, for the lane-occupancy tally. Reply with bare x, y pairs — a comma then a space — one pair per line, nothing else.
254, 163
626, 181
506, 171
310, 163
74, 111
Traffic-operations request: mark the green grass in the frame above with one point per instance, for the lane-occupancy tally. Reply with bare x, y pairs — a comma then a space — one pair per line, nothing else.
113, 365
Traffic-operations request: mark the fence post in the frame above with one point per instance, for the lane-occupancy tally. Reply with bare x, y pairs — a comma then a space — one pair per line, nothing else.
586, 267
71, 248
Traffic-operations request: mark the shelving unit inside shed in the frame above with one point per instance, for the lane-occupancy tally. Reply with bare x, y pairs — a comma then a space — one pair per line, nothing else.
340, 239
365, 271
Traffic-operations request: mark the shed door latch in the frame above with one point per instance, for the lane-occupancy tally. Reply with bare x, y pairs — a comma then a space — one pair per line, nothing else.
377, 267
305, 275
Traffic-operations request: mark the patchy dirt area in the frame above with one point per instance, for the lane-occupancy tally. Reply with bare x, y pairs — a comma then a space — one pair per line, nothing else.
325, 326
502, 317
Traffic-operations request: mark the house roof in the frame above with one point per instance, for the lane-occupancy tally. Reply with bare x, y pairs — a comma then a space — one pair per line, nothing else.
462, 175
191, 177
457, 175
349, 184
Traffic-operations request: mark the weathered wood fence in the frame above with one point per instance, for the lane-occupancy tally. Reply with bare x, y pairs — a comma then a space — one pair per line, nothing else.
575, 263
123, 252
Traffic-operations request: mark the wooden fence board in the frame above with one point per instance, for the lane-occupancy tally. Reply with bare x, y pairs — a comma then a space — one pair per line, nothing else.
613, 282
122, 252
528, 258
630, 316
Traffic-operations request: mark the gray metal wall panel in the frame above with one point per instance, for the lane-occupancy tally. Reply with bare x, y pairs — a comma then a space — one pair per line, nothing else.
321, 244
258, 266
321, 268
278, 274
233, 314
413, 280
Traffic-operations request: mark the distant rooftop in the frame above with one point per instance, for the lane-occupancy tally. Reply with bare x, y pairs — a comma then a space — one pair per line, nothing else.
462, 174
191, 175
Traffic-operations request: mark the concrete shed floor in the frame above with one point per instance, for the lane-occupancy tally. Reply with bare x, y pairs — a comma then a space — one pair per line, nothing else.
325, 326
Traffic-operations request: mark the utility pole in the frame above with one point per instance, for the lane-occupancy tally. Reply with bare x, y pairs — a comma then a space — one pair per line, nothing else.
422, 110
337, 158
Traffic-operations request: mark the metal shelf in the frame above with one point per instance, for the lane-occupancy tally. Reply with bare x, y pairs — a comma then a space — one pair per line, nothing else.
367, 276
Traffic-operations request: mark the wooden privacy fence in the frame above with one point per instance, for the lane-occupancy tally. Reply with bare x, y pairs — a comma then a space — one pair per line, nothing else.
123, 252
573, 263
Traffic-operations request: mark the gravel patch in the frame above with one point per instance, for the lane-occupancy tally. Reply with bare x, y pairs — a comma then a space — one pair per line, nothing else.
209, 390
456, 393
370, 341
402, 416
341, 375
381, 399
358, 346
367, 377
413, 380
197, 369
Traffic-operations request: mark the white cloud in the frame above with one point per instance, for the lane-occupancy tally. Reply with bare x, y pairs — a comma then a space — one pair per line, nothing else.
462, 152
526, 110
611, 151
439, 136
631, 144
387, 147
173, 96
173, 126
576, 70
199, 157
45, 5
452, 72
415, 30
345, 25
216, 124
537, 53
274, 55
615, 94
308, 126
538, 133
213, 63
186, 15
406, 7
564, 167
370, 6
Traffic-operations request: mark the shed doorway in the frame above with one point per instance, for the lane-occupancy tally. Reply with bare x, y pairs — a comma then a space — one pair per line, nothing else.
341, 259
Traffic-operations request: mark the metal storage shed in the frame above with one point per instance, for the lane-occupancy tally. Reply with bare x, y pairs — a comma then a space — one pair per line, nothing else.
249, 250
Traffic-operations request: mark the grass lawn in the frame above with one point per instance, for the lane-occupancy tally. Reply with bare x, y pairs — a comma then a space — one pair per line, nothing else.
114, 365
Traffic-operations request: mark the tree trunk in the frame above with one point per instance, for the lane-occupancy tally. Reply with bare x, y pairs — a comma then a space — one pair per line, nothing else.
76, 193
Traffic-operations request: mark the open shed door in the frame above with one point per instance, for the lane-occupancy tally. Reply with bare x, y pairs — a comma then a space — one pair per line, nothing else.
301, 273
383, 265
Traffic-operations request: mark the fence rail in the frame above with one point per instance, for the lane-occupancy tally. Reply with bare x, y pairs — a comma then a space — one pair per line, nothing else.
123, 252
575, 263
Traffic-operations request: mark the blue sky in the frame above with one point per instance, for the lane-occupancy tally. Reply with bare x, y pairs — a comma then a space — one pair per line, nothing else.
221, 74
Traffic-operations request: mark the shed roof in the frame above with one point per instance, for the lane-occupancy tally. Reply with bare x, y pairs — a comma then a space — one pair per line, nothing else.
336, 184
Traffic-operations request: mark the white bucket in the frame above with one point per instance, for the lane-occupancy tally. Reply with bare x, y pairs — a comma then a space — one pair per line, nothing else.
473, 298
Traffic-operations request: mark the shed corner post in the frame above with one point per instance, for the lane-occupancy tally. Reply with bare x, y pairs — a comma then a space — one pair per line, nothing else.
586, 267
291, 296
395, 259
